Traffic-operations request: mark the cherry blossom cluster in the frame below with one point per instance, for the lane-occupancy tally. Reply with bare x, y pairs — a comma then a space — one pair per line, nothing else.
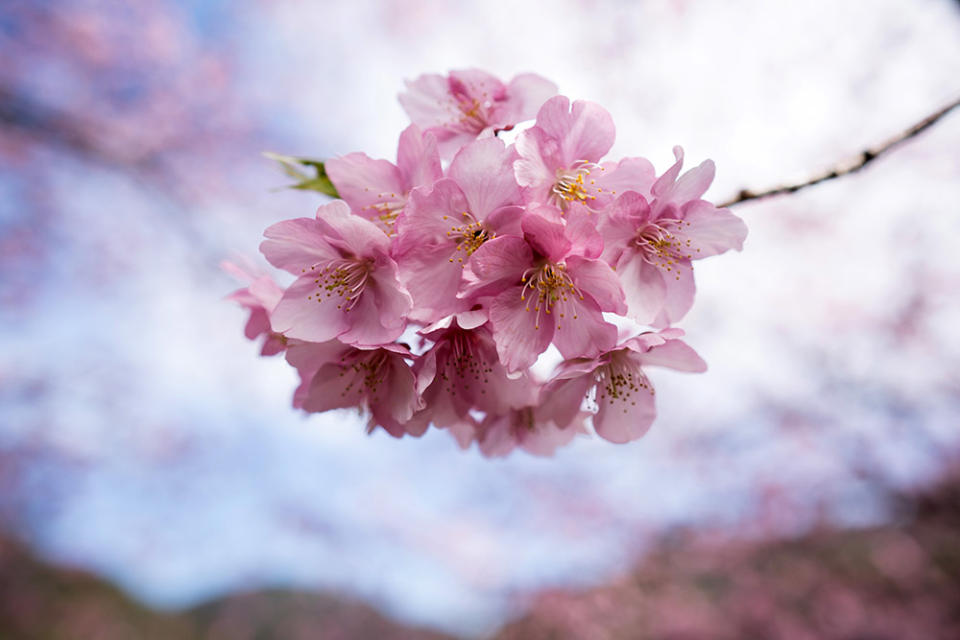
426, 292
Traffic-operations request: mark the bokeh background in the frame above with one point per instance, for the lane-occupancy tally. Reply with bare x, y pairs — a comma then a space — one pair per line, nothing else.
143, 441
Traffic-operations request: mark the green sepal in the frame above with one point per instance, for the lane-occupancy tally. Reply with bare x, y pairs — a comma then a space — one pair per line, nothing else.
293, 166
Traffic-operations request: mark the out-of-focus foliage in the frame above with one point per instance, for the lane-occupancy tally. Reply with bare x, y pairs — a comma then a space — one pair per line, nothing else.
293, 167
896, 582
41, 602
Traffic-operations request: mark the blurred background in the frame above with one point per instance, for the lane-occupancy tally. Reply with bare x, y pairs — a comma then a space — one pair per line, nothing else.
154, 481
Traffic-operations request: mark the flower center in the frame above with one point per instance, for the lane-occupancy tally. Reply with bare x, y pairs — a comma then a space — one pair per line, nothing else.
369, 372
619, 379
574, 184
659, 244
469, 236
464, 363
549, 285
342, 279
387, 211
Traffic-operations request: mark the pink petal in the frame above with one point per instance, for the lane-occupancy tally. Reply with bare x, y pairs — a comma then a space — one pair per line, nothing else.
619, 226
581, 330
496, 437
315, 318
643, 286
680, 290
674, 354
335, 386
502, 259
596, 279
417, 158
428, 101
296, 245
546, 438
561, 399
546, 233
350, 233
712, 231
396, 396
532, 170
630, 174
582, 231
484, 170
585, 130
663, 187
517, 331
369, 186
694, 183
433, 278
374, 320
625, 418
527, 93
430, 217
505, 220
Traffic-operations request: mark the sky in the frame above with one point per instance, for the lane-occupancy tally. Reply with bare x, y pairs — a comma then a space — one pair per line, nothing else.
158, 449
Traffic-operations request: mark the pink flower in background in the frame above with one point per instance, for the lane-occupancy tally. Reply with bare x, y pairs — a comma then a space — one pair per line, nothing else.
337, 376
471, 103
347, 286
442, 227
546, 289
378, 189
617, 385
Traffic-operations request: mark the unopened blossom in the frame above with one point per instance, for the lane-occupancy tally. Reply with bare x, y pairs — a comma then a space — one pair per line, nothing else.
470, 103
347, 286
443, 227
337, 376
260, 297
546, 288
652, 245
616, 385
378, 189
560, 157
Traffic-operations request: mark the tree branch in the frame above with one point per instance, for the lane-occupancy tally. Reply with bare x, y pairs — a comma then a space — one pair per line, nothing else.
852, 165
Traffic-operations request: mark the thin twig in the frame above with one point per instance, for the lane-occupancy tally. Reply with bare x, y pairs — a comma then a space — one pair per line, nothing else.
850, 166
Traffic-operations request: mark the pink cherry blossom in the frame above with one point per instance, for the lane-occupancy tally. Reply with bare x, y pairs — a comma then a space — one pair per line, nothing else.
490, 260
499, 434
337, 376
259, 297
348, 285
471, 103
560, 157
616, 384
546, 289
462, 372
652, 246
442, 227
378, 189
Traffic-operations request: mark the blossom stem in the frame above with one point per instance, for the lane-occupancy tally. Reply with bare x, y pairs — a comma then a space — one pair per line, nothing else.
849, 166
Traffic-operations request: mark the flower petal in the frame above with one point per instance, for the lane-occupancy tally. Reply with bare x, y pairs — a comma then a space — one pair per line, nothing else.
643, 286
296, 245
484, 170
519, 335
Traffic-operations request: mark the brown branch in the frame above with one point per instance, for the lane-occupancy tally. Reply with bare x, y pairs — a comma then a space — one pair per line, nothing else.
850, 166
